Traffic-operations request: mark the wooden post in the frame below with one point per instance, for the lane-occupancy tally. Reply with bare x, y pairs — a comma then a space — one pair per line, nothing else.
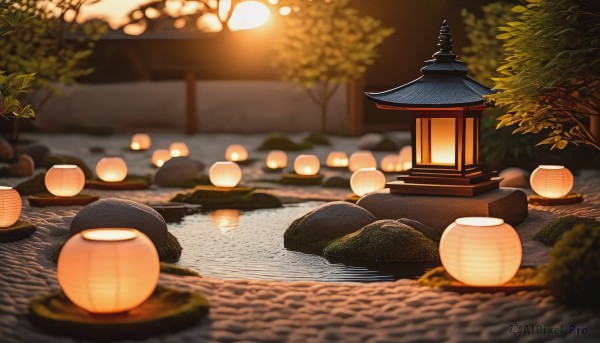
355, 99
595, 127
190, 103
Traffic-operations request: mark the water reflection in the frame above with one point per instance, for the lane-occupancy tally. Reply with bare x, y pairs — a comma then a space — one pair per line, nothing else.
225, 220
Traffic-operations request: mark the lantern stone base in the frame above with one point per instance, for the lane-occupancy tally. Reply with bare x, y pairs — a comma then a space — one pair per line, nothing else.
167, 310
47, 199
569, 199
444, 189
509, 204
272, 170
300, 180
16, 232
129, 184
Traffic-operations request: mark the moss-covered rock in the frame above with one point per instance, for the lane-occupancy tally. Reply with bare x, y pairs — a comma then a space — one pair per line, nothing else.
16, 232
336, 182
317, 138
53, 159
552, 232
173, 269
281, 141
34, 185
526, 278
422, 228
293, 179
384, 241
379, 142
212, 198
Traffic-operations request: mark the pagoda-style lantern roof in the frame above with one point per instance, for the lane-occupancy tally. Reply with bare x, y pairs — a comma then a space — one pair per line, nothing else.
445, 83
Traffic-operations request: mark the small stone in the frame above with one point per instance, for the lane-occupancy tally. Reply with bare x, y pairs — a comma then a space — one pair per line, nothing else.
23, 167
6, 150
177, 172
514, 177
37, 152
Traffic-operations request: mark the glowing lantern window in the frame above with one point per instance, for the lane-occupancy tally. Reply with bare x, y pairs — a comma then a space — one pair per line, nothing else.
277, 159
236, 153
481, 251
367, 180
140, 141
179, 149
307, 165
108, 270
64, 180
337, 159
361, 159
551, 181
391, 163
10, 206
111, 169
160, 156
225, 174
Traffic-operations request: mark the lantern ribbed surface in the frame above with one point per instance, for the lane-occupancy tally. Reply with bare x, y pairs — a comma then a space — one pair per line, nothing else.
481, 251
551, 181
108, 270
277, 159
225, 174
361, 159
337, 159
64, 180
367, 180
140, 141
307, 165
179, 149
391, 163
111, 169
160, 157
10, 206
236, 152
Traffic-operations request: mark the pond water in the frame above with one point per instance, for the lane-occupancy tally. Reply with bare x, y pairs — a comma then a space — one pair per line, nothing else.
232, 244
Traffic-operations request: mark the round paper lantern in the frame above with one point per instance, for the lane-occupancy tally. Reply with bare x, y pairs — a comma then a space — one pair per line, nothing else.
225, 174
481, 251
406, 155
111, 169
236, 153
10, 206
391, 163
140, 141
361, 159
307, 165
337, 159
160, 156
551, 181
367, 180
277, 159
179, 149
108, 270
64, 180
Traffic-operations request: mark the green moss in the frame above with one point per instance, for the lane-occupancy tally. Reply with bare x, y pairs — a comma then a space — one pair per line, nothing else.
281, 141
573, 270
294, 179
66, 159
336, 182
317, 138
241, 198
552, 232
32, 186
16, 232
439, 278
173, 269
384, 241
422, 228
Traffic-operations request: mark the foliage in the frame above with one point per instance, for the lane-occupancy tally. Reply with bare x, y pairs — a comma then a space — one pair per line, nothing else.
12, 87
551, 74
552, 232
326, 43
573, 270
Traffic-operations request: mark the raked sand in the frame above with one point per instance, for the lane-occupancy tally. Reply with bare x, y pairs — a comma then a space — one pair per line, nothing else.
263, 311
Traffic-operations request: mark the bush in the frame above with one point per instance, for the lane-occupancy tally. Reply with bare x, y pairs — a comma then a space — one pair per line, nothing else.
552, 232
281, 141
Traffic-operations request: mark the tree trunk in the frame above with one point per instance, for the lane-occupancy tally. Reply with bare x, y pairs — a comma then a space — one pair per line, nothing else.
324, 116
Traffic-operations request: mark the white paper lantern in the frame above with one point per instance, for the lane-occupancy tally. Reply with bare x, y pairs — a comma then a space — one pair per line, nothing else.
111, 169
64, 180
179, 149
236, 153
551, 181
140, 141
160, 157
481, 251
391, 163
337, 159
225, 174
405, 156
307, 165
361, 159
277, 159
367, 180
10, 206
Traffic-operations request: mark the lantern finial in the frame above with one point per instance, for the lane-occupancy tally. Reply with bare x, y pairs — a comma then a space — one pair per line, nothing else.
445, 44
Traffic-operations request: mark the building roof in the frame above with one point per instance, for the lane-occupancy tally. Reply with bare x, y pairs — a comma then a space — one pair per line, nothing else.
445, 83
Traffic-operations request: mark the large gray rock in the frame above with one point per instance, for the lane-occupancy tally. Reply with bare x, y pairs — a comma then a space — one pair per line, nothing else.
120, 213
514, 177
37, 152
326, 223
438, 212
177, 172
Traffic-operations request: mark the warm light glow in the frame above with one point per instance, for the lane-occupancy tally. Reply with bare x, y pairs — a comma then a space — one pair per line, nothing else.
361, 159
337, 159
249, 15
10, 206
405, 156
551, 181
64, 180
285, 10
391, 163
225, 220
481, 251
236, 153
140, 141
225, 174
179, 149
436, 141
307, 165
406, 165
160, 156
277, 159
111, 169
108, 270
367, 180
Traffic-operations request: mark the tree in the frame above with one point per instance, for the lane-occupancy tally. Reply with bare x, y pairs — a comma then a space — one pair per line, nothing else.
326, 43
551, 73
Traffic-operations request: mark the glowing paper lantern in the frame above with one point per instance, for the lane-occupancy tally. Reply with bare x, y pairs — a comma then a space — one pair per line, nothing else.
361, 159
140, 141
277, 159
307, 165
236, 153
367, 180
337, 159
179, 149
160, 156
225, 174
481, 251
64, 180
10, 206
391, 163
108, 270
111, 169
405, 155
551, 181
